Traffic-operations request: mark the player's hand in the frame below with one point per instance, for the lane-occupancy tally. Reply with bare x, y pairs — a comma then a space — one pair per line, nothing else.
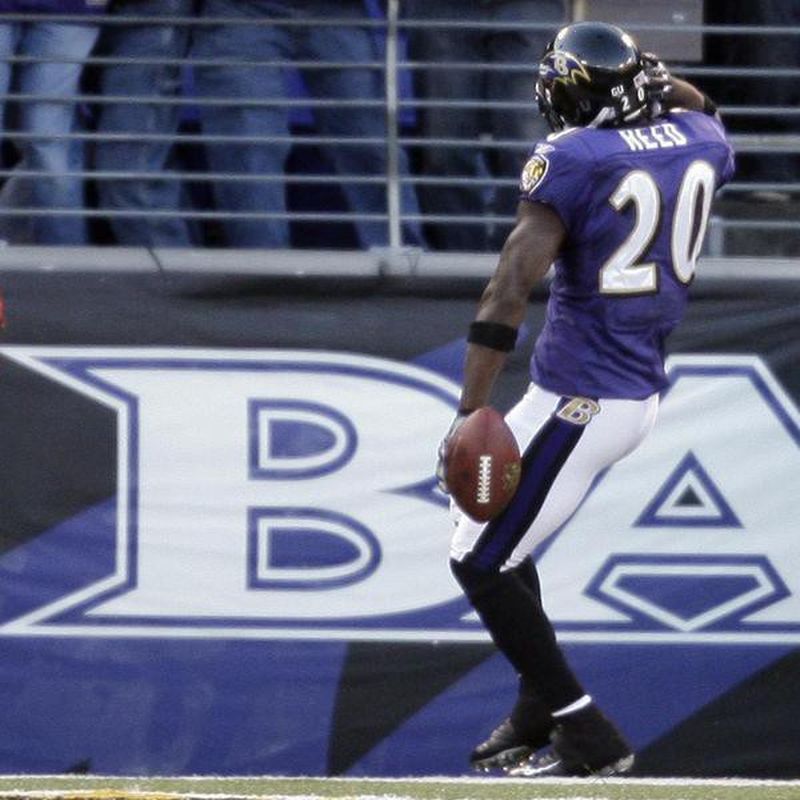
659, 83
442, 452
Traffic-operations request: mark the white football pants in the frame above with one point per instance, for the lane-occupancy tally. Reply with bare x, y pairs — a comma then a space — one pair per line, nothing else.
566, 442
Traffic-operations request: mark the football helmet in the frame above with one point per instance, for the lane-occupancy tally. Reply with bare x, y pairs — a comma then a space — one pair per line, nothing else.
592, 75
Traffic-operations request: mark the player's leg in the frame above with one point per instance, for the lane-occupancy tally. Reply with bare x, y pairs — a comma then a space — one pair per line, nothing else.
566, 444
527, 728
583, 739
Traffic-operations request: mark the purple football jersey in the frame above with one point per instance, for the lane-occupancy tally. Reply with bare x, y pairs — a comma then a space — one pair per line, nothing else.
635, 204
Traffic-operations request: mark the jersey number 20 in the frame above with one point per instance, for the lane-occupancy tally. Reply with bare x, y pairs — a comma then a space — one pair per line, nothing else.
623, 272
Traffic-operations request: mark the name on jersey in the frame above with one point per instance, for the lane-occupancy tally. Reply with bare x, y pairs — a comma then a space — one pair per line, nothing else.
655, 137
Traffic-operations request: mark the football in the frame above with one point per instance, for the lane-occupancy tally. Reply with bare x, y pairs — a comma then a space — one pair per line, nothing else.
482, 465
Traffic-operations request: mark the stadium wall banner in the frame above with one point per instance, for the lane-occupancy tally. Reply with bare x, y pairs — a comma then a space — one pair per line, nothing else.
224, 550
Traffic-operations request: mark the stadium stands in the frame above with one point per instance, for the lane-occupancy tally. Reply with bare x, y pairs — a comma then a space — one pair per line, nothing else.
754, 216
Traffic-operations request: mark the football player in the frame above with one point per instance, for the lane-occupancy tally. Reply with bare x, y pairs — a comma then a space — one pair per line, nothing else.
617, 198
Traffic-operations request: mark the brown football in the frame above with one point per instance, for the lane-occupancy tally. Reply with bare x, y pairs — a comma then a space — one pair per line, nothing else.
482, 464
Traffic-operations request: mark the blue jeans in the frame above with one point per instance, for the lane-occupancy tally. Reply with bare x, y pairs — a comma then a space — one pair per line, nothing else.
138, 153
309, 43
245, 82
51, 77
521, 46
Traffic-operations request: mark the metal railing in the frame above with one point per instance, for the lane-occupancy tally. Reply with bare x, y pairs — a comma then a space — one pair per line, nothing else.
396, 105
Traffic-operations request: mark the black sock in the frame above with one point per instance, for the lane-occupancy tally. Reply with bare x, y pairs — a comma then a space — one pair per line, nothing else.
529, 575
529, 709
519, 627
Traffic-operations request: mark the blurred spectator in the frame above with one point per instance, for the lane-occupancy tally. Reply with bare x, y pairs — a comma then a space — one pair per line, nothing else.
344, 44
52, 76
763, 52
150, 55
474, 46
246, 39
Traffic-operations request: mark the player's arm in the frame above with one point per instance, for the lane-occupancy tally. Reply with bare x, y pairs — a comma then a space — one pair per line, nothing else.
527, 254
531, 247
684, 95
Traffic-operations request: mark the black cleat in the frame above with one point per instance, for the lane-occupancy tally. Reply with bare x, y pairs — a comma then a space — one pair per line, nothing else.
509, 745
551, 765
516, 738
584, 744
505, 748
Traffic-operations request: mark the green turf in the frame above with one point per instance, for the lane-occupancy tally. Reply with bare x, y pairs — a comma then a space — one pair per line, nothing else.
413, 789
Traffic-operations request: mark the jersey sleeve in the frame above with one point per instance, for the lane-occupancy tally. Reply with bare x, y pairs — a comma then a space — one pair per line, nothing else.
727, 165
729, 161
556, 176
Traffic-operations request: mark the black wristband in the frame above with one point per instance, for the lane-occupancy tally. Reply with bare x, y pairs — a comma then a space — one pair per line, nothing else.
494, 335
709, 106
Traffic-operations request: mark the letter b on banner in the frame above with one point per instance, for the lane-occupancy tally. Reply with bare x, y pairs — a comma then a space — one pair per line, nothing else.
277, 486
296, 439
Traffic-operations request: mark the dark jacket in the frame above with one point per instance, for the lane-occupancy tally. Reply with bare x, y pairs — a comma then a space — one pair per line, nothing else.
53, 6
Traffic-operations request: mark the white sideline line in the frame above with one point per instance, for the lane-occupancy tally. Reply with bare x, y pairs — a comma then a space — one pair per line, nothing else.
110, 794
143, 793
116, 781
157, 795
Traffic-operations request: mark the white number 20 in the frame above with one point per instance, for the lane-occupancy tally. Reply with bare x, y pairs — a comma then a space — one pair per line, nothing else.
623, 273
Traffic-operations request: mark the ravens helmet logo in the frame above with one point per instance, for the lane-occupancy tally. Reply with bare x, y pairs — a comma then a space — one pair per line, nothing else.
564, 67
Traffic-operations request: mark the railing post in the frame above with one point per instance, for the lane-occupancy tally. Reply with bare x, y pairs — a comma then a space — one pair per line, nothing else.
392, 131
578, 10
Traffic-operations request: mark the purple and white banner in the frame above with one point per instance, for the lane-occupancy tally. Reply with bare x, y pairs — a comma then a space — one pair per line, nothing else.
232, 557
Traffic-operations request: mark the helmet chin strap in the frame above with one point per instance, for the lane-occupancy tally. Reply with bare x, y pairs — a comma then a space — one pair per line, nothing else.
639, 112
607, 113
